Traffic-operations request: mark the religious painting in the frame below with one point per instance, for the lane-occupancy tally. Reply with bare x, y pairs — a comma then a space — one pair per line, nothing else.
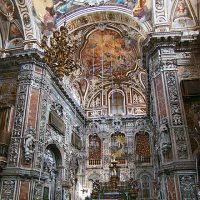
107, 54
182, 10
94, 147
118, 147
45, 15
14, 32
182, 16
48, 12
143, 10
6, 7
143, 150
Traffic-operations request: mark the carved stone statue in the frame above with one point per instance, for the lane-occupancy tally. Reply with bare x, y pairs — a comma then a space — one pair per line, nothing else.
165, 142
29, 144
117, 124
140, 125
49, 164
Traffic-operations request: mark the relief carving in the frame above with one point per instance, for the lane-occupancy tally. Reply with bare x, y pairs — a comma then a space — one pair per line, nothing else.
29, 144
188, 187
181, 143
8, 189
174, 98
58, 108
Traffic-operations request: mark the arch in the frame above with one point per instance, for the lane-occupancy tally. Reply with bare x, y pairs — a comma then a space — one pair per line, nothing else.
94, 175
52, 160
124, 16
24, 9
58, 156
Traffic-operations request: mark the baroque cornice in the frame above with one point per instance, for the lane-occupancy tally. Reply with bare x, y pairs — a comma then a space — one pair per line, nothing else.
25, 56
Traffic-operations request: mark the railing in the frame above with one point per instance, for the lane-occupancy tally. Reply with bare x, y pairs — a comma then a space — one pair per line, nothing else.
94, 162
143, 159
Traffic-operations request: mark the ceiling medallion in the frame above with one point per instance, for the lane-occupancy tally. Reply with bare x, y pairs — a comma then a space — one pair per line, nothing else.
60, 52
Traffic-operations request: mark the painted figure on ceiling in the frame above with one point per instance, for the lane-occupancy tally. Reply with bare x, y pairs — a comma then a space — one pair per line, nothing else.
182, 10
49, 19
63, 6
142, 10
14, 32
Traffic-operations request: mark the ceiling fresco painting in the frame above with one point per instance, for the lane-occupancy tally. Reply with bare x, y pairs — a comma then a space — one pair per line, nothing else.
108, 54
110, 59
183, 15
48, 12
143, 10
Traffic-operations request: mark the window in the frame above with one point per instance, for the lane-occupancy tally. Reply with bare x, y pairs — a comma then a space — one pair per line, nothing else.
116, 103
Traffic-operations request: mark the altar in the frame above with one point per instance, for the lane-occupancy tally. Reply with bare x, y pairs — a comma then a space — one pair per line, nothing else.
115, 189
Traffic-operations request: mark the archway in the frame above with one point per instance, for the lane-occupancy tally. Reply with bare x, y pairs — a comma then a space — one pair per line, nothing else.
51, 165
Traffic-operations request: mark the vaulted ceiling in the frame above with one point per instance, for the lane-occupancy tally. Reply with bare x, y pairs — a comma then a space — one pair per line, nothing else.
112, 32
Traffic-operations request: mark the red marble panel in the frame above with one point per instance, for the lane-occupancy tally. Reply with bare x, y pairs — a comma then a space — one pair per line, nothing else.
33, 107
24, 190
171, 188
159, 89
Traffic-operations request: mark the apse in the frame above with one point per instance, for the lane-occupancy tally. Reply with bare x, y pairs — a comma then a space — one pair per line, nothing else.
111, 74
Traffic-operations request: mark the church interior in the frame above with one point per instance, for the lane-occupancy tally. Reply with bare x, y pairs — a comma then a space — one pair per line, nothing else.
99, 99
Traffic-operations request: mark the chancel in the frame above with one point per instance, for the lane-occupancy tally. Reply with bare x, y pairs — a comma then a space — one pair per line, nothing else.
99, 100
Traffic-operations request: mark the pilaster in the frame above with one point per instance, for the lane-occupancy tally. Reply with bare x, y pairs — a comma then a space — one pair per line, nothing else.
175, 165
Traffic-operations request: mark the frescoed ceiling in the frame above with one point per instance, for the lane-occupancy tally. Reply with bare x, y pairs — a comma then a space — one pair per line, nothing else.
107, 53
48, 12
110, 55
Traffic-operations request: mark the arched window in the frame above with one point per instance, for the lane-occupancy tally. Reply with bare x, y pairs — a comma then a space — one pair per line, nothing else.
145, 182
116, 103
